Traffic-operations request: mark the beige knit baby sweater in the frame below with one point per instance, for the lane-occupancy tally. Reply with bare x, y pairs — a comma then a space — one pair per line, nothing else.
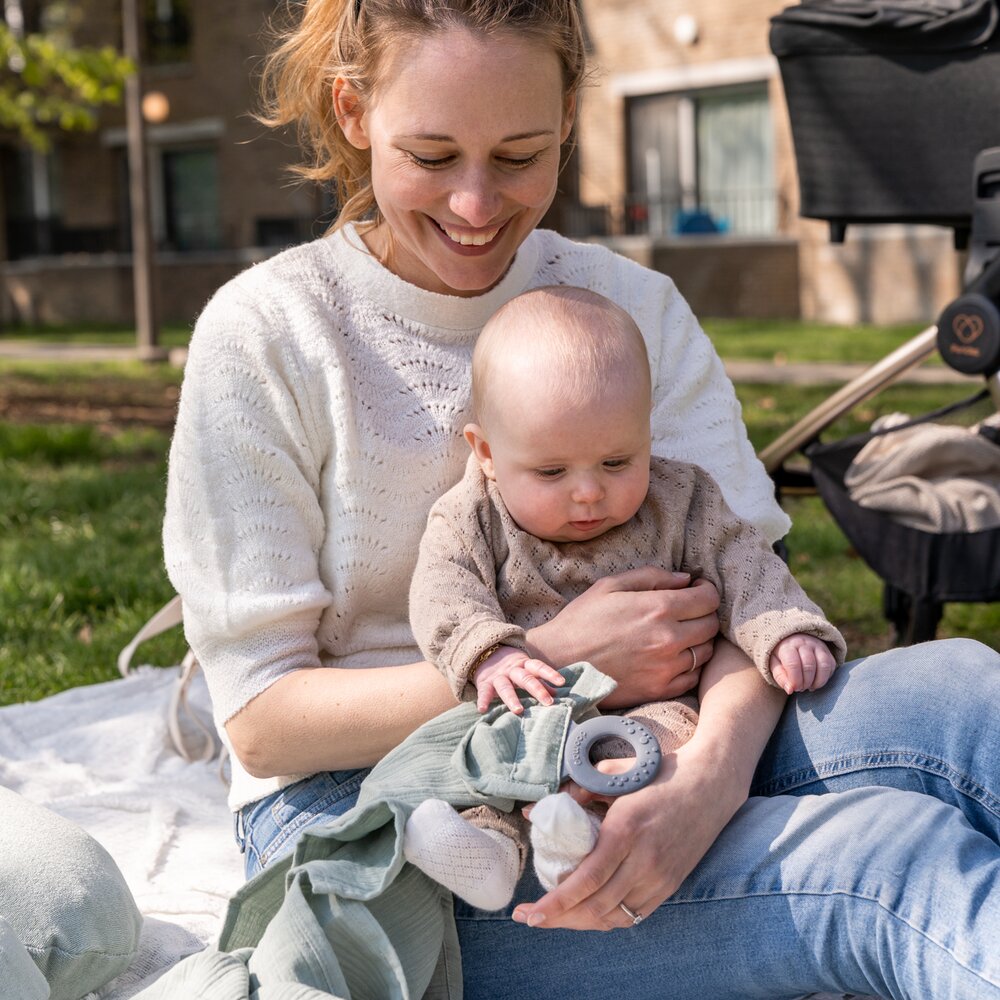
481, 580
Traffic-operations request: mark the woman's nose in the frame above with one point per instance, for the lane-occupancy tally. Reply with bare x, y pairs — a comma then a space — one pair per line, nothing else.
475, 199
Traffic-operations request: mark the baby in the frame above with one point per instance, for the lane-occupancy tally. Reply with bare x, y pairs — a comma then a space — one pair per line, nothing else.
560, 491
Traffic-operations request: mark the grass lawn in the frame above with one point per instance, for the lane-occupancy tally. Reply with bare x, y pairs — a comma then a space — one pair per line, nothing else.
80, 561
792, 341
170, 334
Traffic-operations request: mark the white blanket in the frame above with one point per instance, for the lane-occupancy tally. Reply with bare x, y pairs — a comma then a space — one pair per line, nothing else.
101, 757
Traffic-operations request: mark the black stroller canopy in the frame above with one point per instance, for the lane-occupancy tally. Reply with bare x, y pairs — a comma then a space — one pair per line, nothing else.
913, 25
890, 102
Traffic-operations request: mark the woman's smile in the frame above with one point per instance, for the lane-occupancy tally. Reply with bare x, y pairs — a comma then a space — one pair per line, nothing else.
469, 243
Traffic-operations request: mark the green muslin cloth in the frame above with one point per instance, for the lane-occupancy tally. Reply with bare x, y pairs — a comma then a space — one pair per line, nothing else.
346, 916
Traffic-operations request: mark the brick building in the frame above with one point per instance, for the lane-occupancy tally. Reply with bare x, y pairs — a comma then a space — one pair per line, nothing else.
684, 161
220, 195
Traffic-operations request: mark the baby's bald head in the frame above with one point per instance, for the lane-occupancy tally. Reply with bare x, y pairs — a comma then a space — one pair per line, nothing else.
569, 343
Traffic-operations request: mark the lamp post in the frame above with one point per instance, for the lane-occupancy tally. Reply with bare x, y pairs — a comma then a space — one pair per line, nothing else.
142, 240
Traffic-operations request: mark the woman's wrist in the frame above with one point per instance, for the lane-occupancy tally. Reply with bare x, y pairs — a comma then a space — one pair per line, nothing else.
723, 765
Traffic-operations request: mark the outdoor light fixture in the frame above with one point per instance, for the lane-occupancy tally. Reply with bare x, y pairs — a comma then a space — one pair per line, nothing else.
686, 29
155, 107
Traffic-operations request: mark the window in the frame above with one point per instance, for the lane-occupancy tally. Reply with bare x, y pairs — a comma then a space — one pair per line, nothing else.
702, 162
168, 32
191, 199
26, 185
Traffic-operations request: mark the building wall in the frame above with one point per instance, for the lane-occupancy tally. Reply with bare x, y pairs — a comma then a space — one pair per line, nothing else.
97, 288
723, 277
880, 274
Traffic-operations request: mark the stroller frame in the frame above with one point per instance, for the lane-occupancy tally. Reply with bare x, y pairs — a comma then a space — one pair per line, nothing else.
916, 616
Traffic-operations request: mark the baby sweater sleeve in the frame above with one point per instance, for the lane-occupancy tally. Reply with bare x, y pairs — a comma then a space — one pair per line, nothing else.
761, 602
243, 525
454, 611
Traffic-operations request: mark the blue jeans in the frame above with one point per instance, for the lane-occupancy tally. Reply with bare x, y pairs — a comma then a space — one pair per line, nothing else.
867, 860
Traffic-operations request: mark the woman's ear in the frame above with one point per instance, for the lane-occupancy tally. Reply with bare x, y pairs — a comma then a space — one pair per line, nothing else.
347, 107
480, 448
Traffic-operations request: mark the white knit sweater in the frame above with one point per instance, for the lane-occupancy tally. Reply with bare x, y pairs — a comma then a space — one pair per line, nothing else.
321, 416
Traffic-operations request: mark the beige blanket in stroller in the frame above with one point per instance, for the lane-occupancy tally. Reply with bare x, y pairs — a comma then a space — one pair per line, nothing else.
933, 477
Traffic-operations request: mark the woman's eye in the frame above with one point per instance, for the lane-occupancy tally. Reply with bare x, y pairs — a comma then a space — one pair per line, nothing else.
519, 162
431, 163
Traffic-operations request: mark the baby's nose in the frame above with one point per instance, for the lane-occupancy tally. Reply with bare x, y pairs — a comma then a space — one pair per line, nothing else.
587, 489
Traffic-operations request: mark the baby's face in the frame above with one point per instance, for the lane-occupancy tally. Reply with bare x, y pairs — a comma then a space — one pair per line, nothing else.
570, 474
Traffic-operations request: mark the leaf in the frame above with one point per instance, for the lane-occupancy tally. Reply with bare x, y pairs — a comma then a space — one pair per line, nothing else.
45, 81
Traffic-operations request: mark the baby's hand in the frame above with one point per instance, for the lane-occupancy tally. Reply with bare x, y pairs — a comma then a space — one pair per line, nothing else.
801, 663
508, 668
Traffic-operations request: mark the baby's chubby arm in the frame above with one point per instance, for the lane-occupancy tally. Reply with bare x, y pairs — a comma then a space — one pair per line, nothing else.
505, 670
801, 662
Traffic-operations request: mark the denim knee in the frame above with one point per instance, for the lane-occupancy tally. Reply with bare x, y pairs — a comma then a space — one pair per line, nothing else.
919, 718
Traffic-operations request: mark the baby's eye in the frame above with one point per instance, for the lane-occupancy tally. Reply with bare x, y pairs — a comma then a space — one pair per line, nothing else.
549, 473
616, 463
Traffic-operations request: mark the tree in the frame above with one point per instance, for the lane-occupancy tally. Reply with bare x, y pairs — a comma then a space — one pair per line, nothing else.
46, 82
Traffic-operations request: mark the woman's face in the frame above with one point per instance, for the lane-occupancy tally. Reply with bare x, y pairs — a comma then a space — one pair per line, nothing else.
464, 133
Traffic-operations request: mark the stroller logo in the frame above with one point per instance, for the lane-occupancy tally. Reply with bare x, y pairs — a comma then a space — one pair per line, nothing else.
967, 328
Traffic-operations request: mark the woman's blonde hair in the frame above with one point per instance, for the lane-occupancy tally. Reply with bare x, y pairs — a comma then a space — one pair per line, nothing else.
353, 38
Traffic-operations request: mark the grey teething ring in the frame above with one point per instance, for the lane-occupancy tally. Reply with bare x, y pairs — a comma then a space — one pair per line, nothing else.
581, 737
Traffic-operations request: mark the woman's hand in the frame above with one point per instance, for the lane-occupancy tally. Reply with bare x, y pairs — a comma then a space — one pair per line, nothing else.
649, 842
652, 839
645, 628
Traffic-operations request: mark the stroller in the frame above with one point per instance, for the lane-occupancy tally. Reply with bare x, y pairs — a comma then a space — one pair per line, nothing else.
895, 109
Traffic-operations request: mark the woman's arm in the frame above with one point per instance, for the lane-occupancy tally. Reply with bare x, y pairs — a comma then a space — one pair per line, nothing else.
652, 839
696, 416
637, 627
327, 718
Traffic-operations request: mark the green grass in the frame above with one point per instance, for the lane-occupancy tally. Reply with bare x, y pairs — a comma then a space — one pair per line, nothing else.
170, 334
769, 410
792, 341
134, 374
80, 561
81, 567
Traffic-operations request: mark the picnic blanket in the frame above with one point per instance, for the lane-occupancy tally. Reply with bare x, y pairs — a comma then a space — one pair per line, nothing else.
101, 757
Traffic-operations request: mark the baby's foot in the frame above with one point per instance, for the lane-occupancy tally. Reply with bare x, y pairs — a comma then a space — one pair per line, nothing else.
563, 833
479, 866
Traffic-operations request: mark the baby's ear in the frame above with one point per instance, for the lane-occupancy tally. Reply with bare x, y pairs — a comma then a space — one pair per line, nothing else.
480, 448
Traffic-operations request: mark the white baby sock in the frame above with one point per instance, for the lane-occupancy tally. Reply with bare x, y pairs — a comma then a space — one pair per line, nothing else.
563, 833
480, 866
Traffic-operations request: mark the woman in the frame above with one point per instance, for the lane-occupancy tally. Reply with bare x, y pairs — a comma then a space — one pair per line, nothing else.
321, 416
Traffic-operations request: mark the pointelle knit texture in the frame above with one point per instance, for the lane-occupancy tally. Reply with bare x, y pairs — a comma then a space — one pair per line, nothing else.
481, 580
321, 416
